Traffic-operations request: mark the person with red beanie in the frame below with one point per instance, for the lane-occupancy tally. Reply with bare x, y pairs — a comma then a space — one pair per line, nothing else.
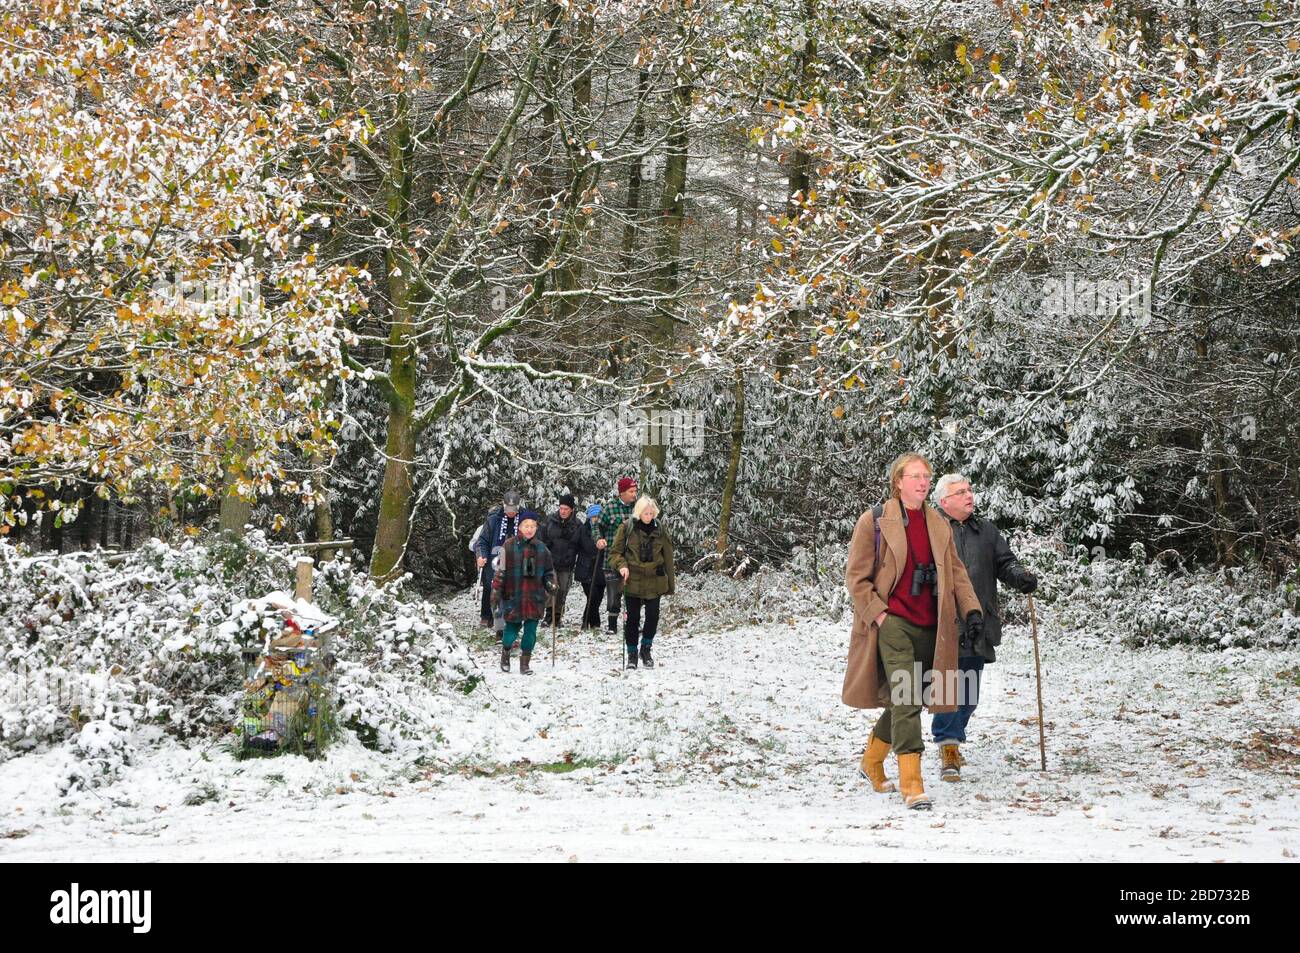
613, 515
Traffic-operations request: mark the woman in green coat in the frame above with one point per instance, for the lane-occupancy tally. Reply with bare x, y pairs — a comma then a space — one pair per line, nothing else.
642, 553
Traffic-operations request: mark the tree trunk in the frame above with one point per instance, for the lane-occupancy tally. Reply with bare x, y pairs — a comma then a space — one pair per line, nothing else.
733, 467
323, 512
395, 498
235, 510
394, 527
672, 218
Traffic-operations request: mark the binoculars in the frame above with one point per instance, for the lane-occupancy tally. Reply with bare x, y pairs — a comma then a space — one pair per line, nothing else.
925, 574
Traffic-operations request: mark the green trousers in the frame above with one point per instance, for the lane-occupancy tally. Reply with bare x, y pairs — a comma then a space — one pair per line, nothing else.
511, 632
907, 652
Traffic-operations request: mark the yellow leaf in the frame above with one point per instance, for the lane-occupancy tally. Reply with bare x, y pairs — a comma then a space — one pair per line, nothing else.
838, 412
776, 243
995, 64
961, 52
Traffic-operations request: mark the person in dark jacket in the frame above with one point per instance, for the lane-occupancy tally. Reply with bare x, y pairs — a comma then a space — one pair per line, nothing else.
589, 570
522, 585
614, 514
988, 559
642, 555
501, 524
565, 536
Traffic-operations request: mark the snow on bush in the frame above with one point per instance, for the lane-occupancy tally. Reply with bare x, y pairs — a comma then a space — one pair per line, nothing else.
93, 646
100, 753
807, 586
1140, 601
1154, 603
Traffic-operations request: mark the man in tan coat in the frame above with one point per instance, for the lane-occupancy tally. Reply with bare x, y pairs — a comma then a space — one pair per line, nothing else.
908, 586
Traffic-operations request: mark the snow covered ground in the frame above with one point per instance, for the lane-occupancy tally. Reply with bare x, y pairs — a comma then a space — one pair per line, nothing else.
735, 748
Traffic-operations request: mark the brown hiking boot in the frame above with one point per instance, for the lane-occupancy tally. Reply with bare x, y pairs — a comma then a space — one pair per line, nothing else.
909, 782
505, 659
524, 659
952, 761
873, 765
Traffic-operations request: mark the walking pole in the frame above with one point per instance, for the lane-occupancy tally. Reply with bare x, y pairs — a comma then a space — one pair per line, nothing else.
622, 611
555, 626
1038, 672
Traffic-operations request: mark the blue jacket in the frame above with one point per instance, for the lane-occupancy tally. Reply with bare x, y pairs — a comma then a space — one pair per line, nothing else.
492, 539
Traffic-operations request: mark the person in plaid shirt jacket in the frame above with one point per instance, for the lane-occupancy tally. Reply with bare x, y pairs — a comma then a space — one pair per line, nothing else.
613, 515
522, 587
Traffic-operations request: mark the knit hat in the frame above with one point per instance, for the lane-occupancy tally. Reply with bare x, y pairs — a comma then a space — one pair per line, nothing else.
593, 511
533, 515
566, 499
625, 484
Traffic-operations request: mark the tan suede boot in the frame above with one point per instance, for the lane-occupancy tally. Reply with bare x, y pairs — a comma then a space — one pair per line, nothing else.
952, 761
873, 765
909, 782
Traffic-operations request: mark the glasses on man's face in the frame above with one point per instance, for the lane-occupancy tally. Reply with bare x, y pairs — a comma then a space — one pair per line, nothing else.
917, 477
965, 492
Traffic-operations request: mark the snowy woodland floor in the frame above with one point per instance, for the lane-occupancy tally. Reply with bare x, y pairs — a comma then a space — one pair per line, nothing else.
742, 752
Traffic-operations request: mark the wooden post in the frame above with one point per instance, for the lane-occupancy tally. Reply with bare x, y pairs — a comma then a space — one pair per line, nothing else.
303, 588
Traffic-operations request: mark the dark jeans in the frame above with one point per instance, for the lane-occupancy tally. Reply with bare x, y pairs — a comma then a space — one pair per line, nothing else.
951, 726
613, 592
563, 582
592, 600
632, 627
485, 577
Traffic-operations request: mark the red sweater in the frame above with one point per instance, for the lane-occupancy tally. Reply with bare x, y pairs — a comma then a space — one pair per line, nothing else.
922, 610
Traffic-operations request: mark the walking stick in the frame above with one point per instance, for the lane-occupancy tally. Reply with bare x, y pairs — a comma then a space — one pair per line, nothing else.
555, 625
1038, 673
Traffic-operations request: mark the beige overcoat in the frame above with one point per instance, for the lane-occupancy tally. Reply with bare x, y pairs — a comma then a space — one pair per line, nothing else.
869, 585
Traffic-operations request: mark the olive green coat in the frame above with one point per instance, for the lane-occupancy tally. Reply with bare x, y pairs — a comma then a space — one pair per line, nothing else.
646, 578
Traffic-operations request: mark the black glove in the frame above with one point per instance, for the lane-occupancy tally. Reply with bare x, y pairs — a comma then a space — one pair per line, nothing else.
1028, 581
973, 632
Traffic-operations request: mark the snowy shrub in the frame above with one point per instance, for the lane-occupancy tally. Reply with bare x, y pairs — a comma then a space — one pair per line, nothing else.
401, 672
99, 754
155, 637
1132, 599
1147, 602
798, 589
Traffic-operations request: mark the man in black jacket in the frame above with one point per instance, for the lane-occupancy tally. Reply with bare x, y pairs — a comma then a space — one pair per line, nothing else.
566, 537
987, 558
